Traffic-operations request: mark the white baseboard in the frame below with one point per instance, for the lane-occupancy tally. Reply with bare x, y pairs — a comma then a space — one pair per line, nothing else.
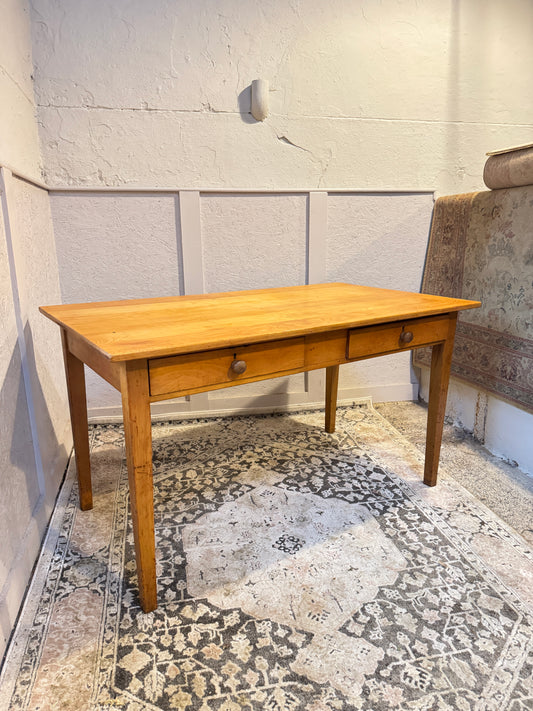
274, 402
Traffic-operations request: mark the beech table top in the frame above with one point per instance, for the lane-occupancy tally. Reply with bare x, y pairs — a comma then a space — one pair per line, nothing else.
148, 328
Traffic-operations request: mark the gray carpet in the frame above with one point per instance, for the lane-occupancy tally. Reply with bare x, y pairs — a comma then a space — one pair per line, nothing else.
296, 570
504, 488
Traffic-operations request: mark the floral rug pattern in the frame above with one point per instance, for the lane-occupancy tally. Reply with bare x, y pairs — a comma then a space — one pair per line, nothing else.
480, 248
296, 570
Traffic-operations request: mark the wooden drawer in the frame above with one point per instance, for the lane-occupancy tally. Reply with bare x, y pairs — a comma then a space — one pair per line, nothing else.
390, 338
184, 373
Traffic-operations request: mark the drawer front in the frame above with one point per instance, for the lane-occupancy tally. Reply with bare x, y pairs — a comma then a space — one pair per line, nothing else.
390, 338
201, 370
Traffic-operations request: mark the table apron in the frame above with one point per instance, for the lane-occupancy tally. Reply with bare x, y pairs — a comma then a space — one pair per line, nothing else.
177, 376
105, 368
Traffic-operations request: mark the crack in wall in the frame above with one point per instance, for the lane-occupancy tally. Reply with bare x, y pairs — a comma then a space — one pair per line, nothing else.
323, 163
286, 140
208, 108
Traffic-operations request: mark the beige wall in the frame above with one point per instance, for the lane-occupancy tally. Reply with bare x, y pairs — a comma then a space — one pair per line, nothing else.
397, 94
19, 139
34, 437
140, 245
364, 95
390, 96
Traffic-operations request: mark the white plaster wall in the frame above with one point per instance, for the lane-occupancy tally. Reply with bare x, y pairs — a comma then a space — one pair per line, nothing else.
38, 284
34, 412
504, 429
131, 245
115, 247
18, 476
391, 95
379, 240
34, 437
19, 138
254, 242
508, 433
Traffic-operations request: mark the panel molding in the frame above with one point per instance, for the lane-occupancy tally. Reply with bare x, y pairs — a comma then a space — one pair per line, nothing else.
317, 228
191, 242
192, 264
318, 232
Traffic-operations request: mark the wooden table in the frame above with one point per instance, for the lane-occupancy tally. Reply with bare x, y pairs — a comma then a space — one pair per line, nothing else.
156, 349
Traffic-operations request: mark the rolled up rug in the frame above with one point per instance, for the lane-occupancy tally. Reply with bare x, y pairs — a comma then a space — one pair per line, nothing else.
509, 168
480, 247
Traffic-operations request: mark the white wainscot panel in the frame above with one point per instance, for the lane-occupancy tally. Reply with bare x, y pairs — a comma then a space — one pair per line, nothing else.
386, 379
38, 285
378, 240
116, 246
104, 403
100, 394
18, 476
276, 387
253, 241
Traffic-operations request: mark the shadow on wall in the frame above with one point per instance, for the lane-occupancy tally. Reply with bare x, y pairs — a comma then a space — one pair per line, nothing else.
19, 483
31, 468
51, 450
279, 392
239, 404
16, 428
245, 104
16, 439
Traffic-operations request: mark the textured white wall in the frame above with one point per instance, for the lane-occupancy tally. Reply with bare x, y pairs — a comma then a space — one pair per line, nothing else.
34, 437
378, 240
37, 276
18, 475
19, 138
391, 95
112, 247
115, 246
504, 429
253, 241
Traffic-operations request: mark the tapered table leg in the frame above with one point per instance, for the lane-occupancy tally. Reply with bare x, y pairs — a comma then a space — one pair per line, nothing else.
441, 360
77, 400
138, 437
332, 382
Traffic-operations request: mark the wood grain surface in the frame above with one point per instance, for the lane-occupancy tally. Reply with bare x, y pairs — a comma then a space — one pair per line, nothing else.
197, 370
148, 328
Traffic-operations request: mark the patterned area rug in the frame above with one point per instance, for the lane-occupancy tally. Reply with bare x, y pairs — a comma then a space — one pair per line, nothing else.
480, 248
297, 570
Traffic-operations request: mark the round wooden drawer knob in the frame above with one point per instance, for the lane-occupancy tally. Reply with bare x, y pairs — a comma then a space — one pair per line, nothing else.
406, 336
238, 366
